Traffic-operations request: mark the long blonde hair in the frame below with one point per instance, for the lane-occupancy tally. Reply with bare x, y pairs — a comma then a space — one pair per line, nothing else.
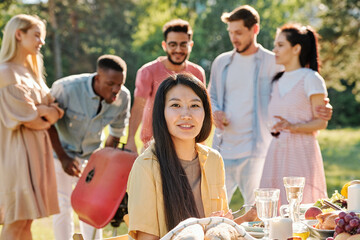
9, 46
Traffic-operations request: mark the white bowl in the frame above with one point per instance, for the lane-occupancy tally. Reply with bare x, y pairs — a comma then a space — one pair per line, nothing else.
318, 233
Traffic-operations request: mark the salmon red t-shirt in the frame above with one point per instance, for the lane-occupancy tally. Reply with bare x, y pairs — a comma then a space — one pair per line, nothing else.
148, 79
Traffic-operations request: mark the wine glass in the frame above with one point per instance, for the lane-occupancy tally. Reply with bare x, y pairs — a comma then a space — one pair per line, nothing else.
270, 124
294, 187
266, 200
219, 133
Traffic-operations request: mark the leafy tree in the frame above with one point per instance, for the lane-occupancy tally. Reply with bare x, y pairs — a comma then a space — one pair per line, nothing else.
340, 55
89, 29
152, 16
211, 37
340, 43
79, 31
346, 108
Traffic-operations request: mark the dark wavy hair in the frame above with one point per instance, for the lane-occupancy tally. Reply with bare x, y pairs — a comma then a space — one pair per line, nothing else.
307, 38
177, 25
179, 202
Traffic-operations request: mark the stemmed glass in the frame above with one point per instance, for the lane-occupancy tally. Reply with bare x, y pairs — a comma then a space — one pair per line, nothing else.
220, 133
266, 200
294, 187
270, 124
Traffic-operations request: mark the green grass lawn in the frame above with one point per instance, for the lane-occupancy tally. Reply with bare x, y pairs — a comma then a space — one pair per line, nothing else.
341, 153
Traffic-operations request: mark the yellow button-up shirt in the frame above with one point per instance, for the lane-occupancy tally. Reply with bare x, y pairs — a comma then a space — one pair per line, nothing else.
146, 206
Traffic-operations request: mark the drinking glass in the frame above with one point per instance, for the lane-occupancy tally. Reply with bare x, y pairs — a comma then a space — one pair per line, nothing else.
294, 187
266, 200
270, 126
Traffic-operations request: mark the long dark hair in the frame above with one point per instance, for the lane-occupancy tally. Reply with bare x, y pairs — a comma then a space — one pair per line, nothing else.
307, 38
178, 197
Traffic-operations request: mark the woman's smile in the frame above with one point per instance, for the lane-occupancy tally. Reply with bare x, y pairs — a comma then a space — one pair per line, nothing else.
184, 113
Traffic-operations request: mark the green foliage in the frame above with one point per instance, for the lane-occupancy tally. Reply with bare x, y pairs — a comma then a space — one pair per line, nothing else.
345, 106
90, 29
340, 43
132, 29
341, 153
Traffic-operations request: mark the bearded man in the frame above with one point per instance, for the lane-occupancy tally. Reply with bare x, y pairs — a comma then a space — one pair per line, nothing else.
177, 44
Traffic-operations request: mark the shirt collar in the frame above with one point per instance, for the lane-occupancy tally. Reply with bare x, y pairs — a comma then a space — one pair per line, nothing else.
161, 58
90, 87
203, 152
258, 54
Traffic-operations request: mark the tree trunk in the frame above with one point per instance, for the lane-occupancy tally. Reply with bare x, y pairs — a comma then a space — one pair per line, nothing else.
56, 40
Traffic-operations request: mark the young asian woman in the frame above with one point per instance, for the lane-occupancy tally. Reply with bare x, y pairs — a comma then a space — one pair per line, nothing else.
176, 177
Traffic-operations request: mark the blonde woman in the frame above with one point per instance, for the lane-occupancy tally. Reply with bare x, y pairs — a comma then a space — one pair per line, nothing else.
27, 176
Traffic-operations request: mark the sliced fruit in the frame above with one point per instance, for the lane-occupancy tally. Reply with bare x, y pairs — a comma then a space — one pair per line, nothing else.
344, 190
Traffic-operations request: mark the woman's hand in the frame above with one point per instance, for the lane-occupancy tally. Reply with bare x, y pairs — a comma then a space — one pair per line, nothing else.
223, 214
320, 110
49, 113
37, 124
249, 216
283, 124
146, 236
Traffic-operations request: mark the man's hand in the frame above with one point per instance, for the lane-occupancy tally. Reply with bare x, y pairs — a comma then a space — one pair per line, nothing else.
325, 112
220, 119
71, 166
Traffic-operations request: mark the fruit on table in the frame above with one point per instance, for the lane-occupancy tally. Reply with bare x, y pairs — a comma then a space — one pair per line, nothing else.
312, 212
343, 236
344, 190
354, 237
348, 223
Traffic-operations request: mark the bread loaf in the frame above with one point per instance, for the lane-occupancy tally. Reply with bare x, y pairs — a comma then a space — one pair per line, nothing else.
221, 231
192, 232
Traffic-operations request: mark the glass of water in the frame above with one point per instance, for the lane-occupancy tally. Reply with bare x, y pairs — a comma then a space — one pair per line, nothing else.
266, 200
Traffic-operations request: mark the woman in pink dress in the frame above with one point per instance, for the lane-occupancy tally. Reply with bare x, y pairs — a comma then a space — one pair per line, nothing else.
297, 92
27, 110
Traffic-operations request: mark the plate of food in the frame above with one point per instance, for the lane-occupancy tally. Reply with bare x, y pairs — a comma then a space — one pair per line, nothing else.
253, 226
315, 231
255, 229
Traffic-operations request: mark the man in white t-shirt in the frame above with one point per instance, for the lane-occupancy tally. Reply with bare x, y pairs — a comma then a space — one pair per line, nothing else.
240, 87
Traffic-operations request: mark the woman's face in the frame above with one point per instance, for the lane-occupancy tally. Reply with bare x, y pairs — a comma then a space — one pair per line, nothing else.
283, 50
31, 41
184, 113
